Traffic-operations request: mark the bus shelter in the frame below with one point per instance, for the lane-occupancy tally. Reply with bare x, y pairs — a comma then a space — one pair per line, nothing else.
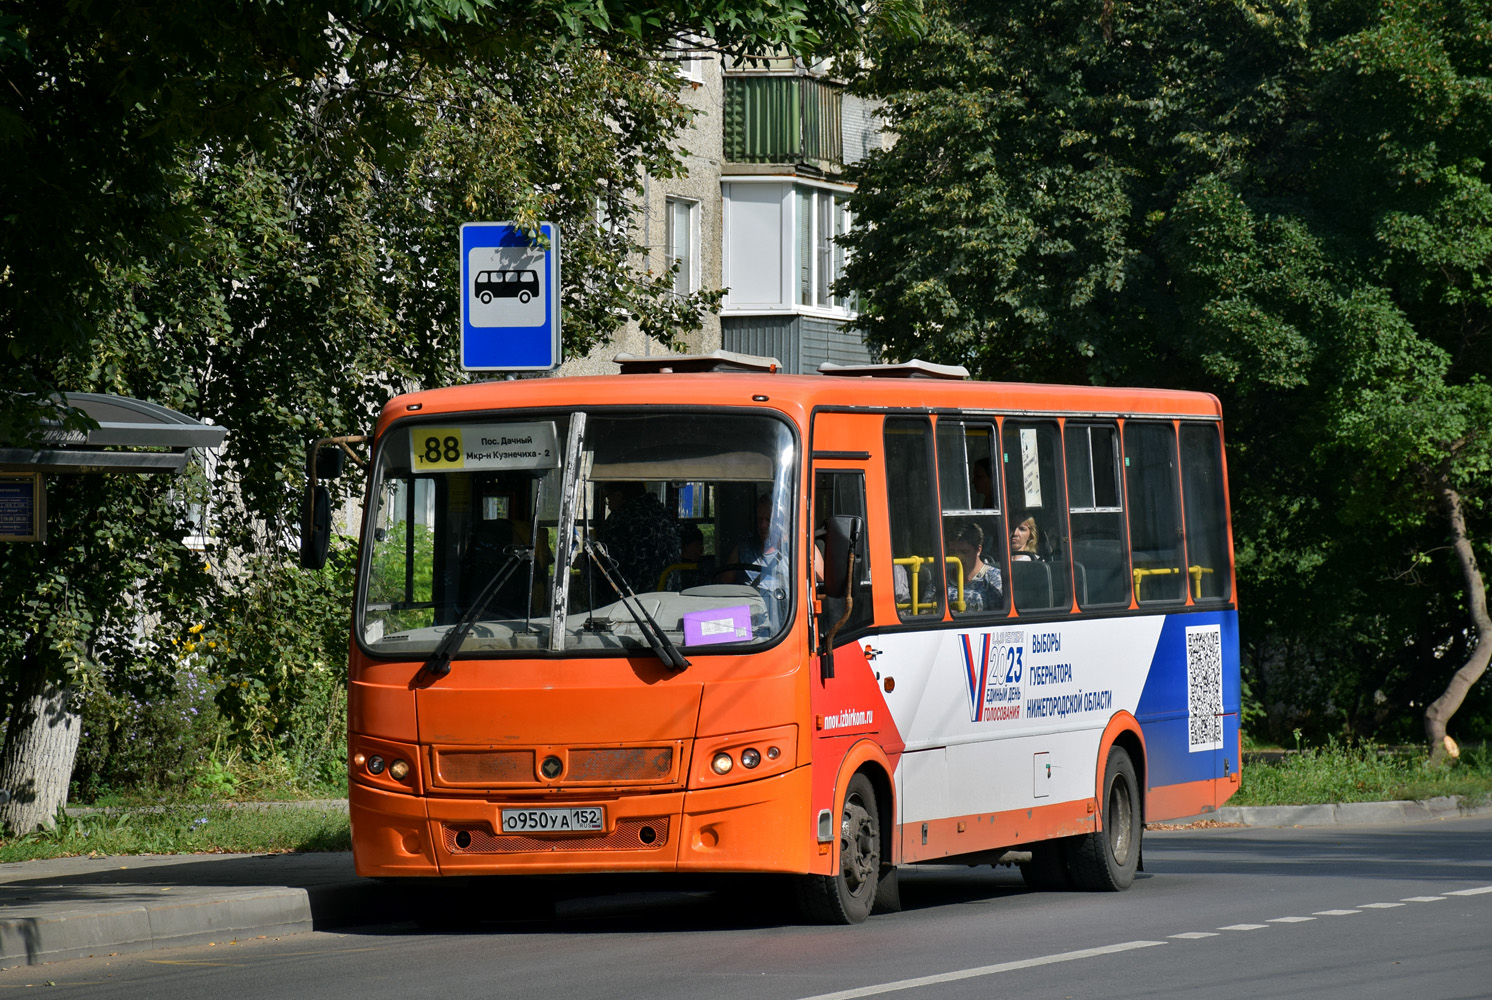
131, 435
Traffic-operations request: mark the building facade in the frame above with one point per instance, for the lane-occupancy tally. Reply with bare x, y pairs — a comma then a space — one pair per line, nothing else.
757, 214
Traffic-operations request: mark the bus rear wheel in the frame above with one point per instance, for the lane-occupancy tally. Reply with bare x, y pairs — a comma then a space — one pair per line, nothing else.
848, 896
1106, 860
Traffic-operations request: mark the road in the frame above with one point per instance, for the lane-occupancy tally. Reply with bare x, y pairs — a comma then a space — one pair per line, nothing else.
1325, 912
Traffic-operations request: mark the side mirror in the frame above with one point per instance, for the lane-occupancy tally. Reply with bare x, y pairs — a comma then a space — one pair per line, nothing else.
329, 462
316, 527
841, 539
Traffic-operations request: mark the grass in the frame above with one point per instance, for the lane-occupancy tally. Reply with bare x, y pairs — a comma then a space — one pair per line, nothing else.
139, 823
1349, 772
187, 829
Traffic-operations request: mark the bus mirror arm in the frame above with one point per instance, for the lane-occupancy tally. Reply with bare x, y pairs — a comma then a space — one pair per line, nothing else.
323, 461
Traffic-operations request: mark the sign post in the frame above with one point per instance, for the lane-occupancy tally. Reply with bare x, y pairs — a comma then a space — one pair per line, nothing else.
510, 308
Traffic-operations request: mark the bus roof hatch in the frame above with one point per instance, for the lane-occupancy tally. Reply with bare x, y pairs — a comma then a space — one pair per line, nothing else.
715, 361
905, 369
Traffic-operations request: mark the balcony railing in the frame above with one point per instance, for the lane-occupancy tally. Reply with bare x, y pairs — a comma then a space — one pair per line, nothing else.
782, 119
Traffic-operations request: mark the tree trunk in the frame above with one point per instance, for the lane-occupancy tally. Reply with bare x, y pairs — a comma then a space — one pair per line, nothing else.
1441, 709
41, 742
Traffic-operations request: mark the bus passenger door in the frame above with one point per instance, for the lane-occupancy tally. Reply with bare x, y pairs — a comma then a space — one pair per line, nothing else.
845, 694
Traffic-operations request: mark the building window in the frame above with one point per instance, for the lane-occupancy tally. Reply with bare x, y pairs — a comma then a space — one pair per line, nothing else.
821, 218
682, 236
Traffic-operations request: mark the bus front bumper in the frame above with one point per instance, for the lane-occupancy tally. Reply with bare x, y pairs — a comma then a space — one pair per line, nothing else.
755, 826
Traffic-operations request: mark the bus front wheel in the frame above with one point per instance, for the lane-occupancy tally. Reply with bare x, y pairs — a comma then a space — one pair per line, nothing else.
1106, 860
848, 896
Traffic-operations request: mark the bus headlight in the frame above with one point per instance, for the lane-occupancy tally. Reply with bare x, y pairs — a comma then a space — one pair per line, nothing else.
722, 763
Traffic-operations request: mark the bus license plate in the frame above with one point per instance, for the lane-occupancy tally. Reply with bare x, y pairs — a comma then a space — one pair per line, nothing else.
550, 820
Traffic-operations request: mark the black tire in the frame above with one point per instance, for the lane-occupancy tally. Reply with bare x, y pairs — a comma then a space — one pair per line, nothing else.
1106, 860
524, 297
1047, 870
848, 896
486, 297
888, 892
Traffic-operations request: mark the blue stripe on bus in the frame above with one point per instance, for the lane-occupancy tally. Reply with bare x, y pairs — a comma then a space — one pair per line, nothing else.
1163, 710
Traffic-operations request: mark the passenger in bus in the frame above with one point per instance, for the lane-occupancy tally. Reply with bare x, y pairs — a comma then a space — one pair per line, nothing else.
639, 534
761, 549
1023, 541
983, 588
692, 550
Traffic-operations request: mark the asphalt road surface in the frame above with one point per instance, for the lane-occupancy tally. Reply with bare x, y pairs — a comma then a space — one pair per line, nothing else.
1400, 912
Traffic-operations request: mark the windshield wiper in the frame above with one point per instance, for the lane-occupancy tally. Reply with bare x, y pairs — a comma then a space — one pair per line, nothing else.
439, 663
658, 639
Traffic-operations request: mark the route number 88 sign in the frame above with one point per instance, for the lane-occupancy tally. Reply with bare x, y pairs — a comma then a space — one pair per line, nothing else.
465, 447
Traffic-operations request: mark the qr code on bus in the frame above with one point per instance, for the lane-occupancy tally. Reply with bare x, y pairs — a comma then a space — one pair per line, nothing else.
1204, 687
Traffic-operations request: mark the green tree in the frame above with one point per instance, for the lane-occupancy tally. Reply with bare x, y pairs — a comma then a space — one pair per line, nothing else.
1287, 204
248, 213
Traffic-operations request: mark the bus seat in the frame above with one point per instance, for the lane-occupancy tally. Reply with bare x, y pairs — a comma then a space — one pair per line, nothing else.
1103, 561
1032, 585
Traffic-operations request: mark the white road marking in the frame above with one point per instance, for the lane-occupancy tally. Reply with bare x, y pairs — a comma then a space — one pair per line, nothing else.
984, 970
1289, 920
1380, 906
1195, 935
1471, 892
1243, 927
1424, 899
1335, 913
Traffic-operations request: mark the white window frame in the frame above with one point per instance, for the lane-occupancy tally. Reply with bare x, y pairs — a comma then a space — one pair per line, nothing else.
687, 281
789, 249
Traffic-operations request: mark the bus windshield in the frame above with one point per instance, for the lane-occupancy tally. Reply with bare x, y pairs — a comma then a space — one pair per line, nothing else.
690, 511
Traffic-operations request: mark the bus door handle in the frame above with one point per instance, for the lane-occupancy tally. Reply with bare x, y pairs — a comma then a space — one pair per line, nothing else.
871, 652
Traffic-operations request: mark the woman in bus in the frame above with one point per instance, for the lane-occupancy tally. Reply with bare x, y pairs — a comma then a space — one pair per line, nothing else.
983, 589
1023, 542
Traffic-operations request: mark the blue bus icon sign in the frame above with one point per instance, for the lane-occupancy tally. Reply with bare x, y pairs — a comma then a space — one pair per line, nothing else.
509, 298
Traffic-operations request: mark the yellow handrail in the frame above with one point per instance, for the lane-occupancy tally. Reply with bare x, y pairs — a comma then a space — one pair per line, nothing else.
960, 603
1196, 572
1140, 574
915, 563
670, 570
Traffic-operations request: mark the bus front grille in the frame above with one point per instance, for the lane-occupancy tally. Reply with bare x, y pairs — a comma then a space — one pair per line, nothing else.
501, 767
629, 835
621, 764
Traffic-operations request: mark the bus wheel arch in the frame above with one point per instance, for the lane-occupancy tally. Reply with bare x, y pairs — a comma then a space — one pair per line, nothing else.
1107, 859
849, 894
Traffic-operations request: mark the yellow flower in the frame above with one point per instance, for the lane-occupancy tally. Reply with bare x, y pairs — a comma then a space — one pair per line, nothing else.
212, 645
195, 629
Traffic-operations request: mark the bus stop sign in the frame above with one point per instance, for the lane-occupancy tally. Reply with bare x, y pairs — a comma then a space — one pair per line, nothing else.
510, 311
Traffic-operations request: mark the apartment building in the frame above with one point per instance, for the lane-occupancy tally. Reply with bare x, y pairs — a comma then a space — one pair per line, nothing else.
758, 213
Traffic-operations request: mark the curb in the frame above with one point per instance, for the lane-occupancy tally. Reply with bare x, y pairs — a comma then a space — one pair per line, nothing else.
1343, 813
102, 929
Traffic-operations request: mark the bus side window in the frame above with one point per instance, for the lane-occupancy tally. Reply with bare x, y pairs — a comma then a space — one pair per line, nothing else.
1032, 457
1154, 512
1100, 564
1208, 566
973, 527
844, 493
912, 506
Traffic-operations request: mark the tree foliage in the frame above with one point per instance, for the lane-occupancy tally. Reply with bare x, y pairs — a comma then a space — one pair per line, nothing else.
248, 212
1288, 204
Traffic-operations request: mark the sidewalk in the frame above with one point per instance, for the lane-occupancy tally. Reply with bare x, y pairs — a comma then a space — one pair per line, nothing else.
76, 907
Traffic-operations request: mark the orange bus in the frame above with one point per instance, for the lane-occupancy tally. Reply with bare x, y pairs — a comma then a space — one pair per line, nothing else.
704, 617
